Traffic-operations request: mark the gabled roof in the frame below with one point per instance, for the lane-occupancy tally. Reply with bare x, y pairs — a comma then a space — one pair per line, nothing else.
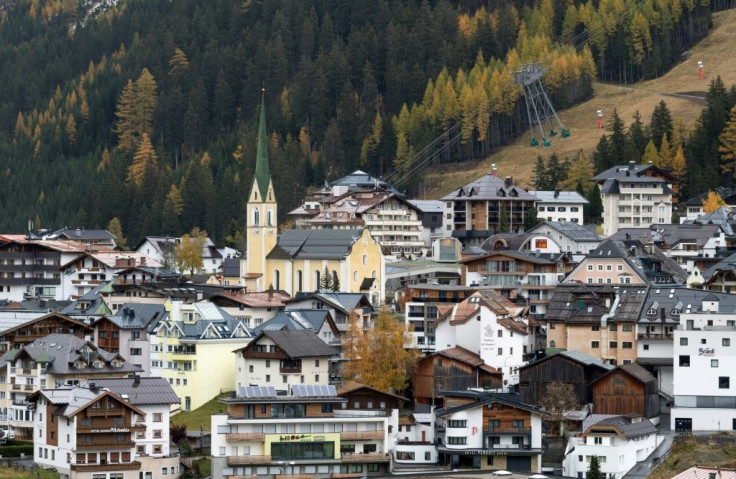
485, 398
465, 356
563, 197
351, 386
429, 206
322, 244
78, 234
361, 180
343, 302
587, 303
137, 315
576, 356
253, 299
141, 391
71, 401
490, 187
634, 370
572, 230
296, 344
472, 305
627, 427
726, 265
648, 262
24, 322
670, 302
633, 173
298, 319
231, 267
670, 235
542, 258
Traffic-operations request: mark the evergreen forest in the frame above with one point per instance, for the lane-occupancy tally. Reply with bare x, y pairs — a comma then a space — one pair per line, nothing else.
145, 111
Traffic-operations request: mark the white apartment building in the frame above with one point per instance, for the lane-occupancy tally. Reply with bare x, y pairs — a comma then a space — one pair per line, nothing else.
488, 325
704, 364
635, 196
310, 432
562, 206
619, 442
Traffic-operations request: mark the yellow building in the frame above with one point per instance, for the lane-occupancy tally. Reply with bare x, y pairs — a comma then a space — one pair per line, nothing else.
192, 347
297, 259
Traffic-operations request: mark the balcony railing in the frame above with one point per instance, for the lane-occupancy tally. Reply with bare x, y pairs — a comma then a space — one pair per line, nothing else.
509, 446
290, 370
97, 445
656, 336
247, 460
118, 466
509, 430
245, 436
371, 457
360, 435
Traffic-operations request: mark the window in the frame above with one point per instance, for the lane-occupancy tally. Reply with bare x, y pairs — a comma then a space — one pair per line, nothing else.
619, 267
684, 361
268, 378
626, 328
683, 341
500, 351
613, 344
157, 417
590, 267
136, 351
598, 440
268, 363
250, 368
157, 449
326, 407
456, 440
316, 378
157, 434
595, 344
595, 328
316, 363
455, 423
627, 345
726, 342
714, 363
724, 382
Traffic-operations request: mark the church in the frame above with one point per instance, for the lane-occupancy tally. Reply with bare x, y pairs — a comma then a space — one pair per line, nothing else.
296, 260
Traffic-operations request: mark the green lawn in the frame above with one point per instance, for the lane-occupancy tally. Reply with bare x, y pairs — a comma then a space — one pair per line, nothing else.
9, 472
204, 467
200, 416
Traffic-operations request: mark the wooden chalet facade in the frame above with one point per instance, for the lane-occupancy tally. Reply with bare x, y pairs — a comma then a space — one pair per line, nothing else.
364, 397
570, 367
453, 369
51, 323
628, 389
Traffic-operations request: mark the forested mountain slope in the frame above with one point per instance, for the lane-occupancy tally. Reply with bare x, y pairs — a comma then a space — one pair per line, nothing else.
145, 110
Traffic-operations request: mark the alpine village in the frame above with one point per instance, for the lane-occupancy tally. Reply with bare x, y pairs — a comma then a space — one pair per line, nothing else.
291, 239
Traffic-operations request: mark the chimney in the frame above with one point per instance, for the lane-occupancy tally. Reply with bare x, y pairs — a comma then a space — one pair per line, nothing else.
143, 260
508, 182
93, 387
78, 232
136, 380
557, 192
631, 165
493, 169
125, 397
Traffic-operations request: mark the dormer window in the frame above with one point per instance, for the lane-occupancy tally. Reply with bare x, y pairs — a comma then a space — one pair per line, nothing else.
651, 311
675, 312
501, 193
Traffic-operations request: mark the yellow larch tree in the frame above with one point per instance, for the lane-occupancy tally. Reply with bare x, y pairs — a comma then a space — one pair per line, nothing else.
144, 158
712, 202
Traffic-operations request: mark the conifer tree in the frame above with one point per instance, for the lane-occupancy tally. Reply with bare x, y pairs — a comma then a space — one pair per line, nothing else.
503, 219
116, 229
665, 157
594, 469
579, 173
531, 218
595, 206
661, 123
650, 154
727, 145
325, 282
145, 157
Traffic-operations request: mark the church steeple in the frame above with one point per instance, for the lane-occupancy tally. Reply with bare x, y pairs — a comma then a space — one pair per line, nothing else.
263, 176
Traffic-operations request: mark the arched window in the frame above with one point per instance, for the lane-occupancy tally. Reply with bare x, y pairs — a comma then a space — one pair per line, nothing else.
355, 275
334, 278
373, 274
365, 260
270, 217
316, 280
256, 216
299, 281
552, 344
277, 279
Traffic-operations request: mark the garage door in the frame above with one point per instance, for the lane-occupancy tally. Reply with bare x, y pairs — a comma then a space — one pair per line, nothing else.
519, 463
683, 424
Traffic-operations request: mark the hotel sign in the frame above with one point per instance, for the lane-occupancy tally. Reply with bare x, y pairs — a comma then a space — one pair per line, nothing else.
112, 430
298, 437
706, 351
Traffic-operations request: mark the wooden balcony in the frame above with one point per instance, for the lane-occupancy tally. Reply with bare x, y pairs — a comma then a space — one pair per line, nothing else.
353, 458
247, 460
106, 412
118, 466
245, 436
361, 435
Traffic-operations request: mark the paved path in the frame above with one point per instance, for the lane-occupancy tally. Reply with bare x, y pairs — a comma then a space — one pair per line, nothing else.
643, 468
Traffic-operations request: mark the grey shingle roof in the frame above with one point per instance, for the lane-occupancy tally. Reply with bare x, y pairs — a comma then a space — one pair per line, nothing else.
299, 319
429, 206
685, 300
80, 234
670, 235
315, 244
138, 315
343, 302
572, 230
64, 350
231, 267
628, 427
653, 265
360, 179
298, 344
490, 187
586, 303
145, 391
630, 172
483, 398
565, 197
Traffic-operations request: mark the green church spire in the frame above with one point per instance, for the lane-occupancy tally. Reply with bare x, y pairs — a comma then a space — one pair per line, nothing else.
263, 176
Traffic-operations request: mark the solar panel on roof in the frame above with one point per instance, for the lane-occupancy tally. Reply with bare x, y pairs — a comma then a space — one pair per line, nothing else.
257, 391
311, 390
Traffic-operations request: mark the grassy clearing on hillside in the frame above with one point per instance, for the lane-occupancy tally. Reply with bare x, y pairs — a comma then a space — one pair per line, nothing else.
200, 416
10, 473
517, 160
689, 453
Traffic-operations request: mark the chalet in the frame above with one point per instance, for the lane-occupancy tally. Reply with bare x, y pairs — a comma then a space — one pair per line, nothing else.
343, 307
253, 307
454, 369
628, 389
318, 321
571, 237
482, 430
101, 239
282, 357
92, 431
26, 331
54, 360
362, 397
570, 367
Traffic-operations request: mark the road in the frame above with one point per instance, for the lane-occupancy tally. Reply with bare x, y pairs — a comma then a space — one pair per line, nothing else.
644, 468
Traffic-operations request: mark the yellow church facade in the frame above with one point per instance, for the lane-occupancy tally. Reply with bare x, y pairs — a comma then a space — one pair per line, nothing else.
296, 260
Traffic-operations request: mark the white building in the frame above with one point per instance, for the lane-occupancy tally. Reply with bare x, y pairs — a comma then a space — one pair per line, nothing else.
87, 432
571, 237
92, 268
562, 206
635, 196
283, 358
619, 442
704, 362
163, 250
488, 325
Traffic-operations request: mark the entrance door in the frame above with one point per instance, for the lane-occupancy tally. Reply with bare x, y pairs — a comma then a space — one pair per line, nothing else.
519, 463
187, 403
683, 424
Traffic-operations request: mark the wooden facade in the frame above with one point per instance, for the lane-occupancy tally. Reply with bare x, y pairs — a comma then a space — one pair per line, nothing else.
360, 396
620, 392
438, 372
108, 335
535, 377
52, 323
